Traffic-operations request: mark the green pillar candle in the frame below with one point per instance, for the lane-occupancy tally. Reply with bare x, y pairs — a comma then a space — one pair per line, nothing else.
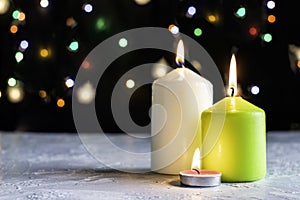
234, 136
240, 150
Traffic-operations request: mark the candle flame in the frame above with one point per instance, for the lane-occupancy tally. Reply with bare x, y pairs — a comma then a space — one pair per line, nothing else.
196, 163
232, 86
180, 54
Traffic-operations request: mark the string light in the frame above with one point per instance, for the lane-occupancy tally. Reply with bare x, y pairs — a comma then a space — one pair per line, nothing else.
0, 94
298, 64
212, 18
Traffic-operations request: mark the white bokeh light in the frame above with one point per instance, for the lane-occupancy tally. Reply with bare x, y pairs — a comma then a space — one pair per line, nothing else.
69, 82
86, 93
191, 11
254, 90
130, 83
88, 8
271, 4
4, 6
44, 3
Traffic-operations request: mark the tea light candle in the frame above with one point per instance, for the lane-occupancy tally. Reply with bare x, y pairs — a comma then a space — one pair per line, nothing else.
176, 129
198, 177
240, 151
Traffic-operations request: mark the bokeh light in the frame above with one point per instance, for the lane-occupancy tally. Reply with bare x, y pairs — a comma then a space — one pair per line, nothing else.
24, 44
267, 37
69, 82
42, 94
142, 2
60, 102
173, 29
212, 18
11, 82
44, 53
123, 42
22, 16
254, 90
298, 64
271, 18
44, 3
191, 11
88, 8
241, 12
86, 93
15, 94
71, 22
253, 31
19, 56
13, 29
100, 24
16, 14
86, 64
271, 4
73, 46
197, 32
4, 6
130, 83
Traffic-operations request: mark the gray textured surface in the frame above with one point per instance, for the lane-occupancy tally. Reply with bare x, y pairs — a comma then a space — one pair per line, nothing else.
57, 166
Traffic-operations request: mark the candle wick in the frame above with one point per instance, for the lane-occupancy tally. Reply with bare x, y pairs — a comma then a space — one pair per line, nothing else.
232, 91
197, 171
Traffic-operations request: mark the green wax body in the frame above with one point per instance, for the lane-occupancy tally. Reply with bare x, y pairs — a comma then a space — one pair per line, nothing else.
239, 147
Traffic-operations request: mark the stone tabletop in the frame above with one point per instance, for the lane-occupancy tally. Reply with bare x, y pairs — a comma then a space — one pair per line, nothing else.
58, 166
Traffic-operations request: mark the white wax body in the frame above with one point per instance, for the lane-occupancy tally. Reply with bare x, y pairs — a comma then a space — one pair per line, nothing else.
178, 100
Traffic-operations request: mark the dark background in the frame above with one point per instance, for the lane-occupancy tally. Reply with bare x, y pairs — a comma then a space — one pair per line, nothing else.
261, 63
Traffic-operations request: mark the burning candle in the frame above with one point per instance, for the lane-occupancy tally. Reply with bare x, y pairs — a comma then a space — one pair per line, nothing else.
175, 128
198, 177
240, 150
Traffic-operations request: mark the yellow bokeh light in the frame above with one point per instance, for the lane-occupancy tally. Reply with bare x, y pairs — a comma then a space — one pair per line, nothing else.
271, 18
44, 53
43, 94
212, 18
60, 103
13, 29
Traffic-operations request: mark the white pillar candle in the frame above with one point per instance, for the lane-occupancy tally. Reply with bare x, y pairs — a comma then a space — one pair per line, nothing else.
176, 129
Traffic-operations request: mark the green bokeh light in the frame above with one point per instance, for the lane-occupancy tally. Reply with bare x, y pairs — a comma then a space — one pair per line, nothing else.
241, 12
100, 24
19, 56
16, 14
74, 46
197, 32
267, 37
